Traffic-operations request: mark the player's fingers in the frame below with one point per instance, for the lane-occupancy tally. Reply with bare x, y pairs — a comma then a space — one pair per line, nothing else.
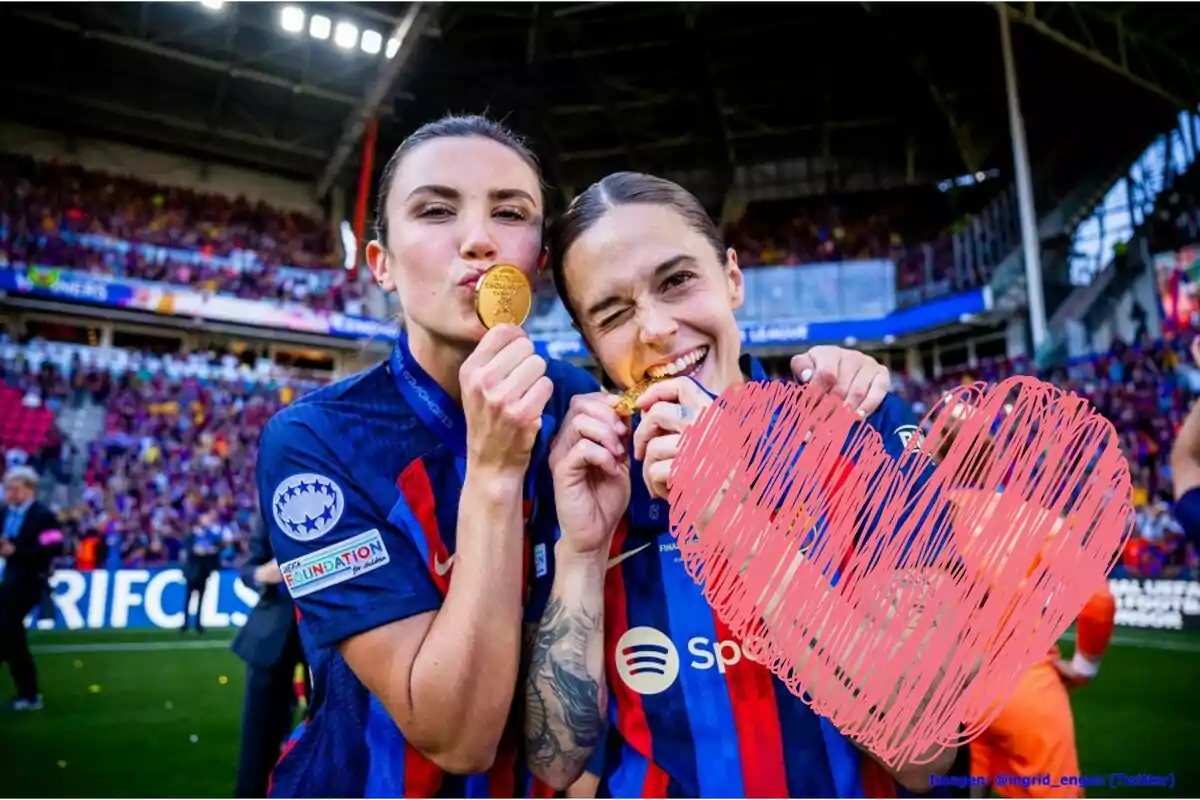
601, 433
657, 477
881, 384
663, 419
533, 402
803, 367
494, 341
598, 405
684, 391
846, 371
663, 448
487, 375
522, 377
587, 454
856, 392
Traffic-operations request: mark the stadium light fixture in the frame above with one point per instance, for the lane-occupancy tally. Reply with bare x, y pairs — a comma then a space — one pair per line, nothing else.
345, 36
291, 19
392, 47
319, 27
213, 5
372, 42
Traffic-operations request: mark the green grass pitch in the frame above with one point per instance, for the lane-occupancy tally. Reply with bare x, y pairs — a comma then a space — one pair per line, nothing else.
146, 714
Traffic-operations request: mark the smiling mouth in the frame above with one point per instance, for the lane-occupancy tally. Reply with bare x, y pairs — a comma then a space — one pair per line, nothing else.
686, 364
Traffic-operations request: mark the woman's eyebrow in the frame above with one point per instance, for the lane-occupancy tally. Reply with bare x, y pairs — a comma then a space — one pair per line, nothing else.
450, 193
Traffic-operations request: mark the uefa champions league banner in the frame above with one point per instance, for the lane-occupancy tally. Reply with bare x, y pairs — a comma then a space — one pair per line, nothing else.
142, 598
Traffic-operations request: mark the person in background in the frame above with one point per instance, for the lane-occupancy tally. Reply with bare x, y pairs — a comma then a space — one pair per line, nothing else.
29, 541
269, 643
1035, 733
201, 558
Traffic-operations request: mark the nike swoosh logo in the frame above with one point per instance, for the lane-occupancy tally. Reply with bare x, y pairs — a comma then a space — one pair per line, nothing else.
442, 567
612, 562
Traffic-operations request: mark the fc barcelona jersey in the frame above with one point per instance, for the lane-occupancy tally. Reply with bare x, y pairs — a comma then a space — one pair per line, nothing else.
689, 715
360, 491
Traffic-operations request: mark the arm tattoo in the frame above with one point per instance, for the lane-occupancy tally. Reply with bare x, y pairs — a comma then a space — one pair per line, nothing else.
563, 721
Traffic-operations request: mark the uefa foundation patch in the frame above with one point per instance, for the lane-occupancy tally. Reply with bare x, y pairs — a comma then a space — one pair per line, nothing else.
332, 565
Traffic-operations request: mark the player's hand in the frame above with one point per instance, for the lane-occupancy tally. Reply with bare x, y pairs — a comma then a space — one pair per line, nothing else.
268, 574
7, 548
668, 409
591, 473
1195, 350
848, 374
504, 391
1071, 677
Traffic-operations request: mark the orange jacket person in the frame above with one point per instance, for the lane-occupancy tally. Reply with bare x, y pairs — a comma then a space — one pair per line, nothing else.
1030, 747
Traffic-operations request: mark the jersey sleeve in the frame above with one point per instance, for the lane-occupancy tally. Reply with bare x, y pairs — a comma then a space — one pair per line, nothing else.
1187, 513
348, 568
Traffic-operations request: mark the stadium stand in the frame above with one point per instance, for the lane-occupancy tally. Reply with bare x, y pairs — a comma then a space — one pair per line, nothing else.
53, 215
920, 229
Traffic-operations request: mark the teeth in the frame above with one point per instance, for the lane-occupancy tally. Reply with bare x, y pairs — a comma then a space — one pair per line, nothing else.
678, 365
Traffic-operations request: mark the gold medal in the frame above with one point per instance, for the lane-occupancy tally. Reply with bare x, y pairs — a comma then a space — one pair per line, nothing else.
628, 404
503, 296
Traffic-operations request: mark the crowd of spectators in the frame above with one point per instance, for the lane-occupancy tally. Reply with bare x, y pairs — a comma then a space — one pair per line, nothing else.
177, 445
54, 215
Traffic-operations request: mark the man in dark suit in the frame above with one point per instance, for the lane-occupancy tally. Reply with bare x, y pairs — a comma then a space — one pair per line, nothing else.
269, 643
201, 554
29, 540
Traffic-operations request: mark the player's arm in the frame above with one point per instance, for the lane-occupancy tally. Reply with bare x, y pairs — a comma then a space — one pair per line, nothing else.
565, 692
1093, 633
566, 695
433, 664
584, 787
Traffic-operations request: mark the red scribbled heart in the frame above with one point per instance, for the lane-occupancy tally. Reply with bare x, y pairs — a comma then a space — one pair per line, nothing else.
1011, 573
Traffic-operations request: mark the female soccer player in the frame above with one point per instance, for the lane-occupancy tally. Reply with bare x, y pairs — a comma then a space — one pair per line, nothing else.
626, 632
379, 489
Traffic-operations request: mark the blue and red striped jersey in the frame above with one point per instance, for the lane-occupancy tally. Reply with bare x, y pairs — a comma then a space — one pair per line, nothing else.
360, 492
689, 715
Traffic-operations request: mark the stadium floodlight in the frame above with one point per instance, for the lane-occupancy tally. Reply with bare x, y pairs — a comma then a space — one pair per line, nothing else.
213, 5
392, 48
319, 27
346, 36
372, 42
291, 19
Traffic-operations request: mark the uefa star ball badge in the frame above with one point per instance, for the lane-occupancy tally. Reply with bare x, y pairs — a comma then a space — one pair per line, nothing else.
307, 506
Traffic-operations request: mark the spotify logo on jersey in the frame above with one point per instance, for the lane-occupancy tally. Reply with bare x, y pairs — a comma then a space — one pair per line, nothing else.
647, 660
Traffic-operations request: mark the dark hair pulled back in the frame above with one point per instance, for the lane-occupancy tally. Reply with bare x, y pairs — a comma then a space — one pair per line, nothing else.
450, 126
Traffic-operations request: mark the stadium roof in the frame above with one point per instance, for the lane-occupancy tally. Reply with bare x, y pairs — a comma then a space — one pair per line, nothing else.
604, 86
